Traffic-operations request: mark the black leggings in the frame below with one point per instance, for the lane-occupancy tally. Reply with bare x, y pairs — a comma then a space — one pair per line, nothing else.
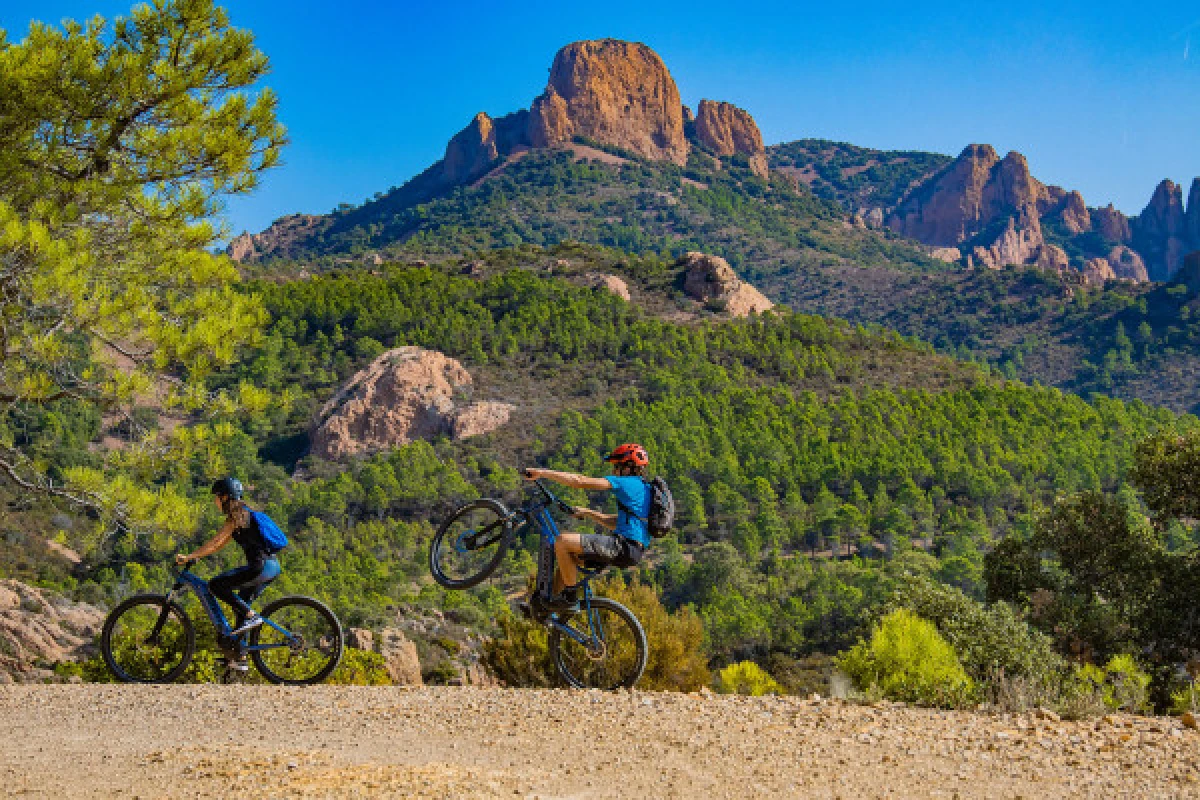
248, 582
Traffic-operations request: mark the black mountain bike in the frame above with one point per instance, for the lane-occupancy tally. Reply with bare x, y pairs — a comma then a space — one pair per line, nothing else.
602, 646
149, 638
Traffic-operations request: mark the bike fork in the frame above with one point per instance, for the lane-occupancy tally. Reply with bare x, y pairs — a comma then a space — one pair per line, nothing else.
162, 617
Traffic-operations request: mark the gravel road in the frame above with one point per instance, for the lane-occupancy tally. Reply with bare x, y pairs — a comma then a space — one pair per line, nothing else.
273, 742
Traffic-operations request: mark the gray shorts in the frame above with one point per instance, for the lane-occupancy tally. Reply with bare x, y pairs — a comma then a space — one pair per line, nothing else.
608, 549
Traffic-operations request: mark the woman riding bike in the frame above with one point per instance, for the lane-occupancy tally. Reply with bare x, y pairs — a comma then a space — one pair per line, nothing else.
630, 536
246, 582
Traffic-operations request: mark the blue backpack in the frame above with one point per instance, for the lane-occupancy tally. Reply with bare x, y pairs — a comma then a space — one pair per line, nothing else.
272, 535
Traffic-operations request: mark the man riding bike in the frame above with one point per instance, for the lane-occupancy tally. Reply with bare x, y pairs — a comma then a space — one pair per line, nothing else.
626, 544
249, 581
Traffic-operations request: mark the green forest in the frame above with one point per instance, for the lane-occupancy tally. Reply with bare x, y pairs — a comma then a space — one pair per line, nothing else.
841, 485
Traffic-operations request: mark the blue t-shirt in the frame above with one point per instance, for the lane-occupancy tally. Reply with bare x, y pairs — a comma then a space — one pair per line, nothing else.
635, 494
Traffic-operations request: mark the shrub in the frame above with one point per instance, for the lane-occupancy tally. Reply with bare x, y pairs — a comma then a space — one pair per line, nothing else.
518, 655
907, 659
361, 668
1185, 698
747, 678
990, 640
803, 675
1120, 684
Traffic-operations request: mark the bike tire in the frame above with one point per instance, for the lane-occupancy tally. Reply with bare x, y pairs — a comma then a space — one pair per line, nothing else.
440, 545
565, 650
125, 607
336, 643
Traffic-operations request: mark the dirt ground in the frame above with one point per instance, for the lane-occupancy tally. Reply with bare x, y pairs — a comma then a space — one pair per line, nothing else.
451, 742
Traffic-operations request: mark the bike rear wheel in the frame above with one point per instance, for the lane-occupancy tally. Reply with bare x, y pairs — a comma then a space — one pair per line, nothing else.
616, 655
310, 649
470, 544
147, 639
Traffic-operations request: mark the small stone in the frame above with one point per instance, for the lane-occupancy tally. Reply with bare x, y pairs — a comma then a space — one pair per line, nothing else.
1047, 714
1189, 720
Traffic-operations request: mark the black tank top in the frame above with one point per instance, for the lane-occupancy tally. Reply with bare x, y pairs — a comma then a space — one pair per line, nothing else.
250, 540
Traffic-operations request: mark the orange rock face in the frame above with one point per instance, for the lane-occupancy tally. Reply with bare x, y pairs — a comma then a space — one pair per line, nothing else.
1098, 271
978, 189
405, 394
277, 239
729, 130
1111, 224
1127, 264
611, 283
471, 150
39, 627
618, 93
1074, 214
712, 281
1160, 231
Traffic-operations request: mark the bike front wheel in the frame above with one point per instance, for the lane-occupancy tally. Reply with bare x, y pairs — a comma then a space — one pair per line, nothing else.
610, 652
299, 641
147, 639
470, 544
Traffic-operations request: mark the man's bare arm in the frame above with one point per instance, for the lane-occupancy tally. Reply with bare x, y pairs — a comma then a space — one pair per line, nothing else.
571, 479
599, 517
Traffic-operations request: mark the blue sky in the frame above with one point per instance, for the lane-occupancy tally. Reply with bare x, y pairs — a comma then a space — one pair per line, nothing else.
1102, 97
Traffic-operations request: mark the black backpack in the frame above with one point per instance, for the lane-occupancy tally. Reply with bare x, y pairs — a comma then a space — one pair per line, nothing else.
661, 518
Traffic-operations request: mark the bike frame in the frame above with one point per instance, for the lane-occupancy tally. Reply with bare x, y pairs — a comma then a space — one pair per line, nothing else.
537, 516
186, 581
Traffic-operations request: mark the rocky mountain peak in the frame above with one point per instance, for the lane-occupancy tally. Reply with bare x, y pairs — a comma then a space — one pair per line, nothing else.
1192, 216
728, 130
1112, 225
1074, 214
618, 93
277, 238
471, 149
1160, 232
974, 192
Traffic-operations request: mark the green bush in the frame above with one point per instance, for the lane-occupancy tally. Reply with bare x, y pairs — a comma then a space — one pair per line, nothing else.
1186, 698
1120, 684
990, 640
361, 668
748, 678
518, 655
907, 659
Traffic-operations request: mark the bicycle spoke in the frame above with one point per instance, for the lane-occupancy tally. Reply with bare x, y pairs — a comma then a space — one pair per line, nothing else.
613, 655
305, 644
469, 545
145, 644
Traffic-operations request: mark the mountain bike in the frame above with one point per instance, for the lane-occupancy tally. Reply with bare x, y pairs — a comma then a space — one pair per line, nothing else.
149, 638
602, 646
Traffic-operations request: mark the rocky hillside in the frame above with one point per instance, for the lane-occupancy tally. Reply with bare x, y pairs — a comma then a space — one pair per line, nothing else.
39, 628
405, 394
612, 93
990, 211
863, 181
577, 167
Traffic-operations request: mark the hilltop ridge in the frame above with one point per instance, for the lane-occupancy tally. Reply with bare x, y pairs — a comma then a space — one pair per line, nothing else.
977, 210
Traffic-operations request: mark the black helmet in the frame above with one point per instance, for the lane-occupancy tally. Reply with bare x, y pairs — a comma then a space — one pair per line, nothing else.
228, 487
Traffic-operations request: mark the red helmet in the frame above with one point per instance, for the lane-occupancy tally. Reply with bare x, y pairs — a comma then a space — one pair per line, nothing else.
633, 454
